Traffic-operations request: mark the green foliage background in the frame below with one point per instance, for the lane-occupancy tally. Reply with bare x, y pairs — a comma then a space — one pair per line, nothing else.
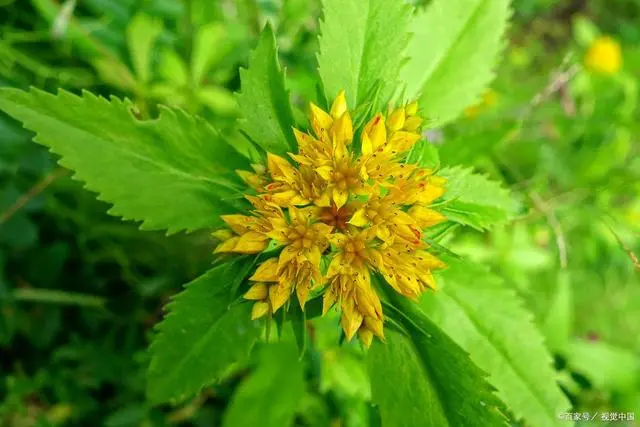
80, 291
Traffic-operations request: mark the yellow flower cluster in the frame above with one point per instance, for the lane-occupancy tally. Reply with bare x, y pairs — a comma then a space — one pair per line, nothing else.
604, 56
355, 204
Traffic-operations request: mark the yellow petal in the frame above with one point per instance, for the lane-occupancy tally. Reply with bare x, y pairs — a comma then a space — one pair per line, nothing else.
238, 223
280, 168
359, 218
325, 172
343, 129
320, 120
375, 325
328, 300
430, 193
425, 217
302, 291
278, 295
257, 292
339, 106
335, 267
227, 246
222, 234
395, 122
340, 197
367, 146
303, 139
412, 124
266, 272
412, 108
366, 337
351, 319
376, 131
251, 243
403, 141
288, 254
259, 309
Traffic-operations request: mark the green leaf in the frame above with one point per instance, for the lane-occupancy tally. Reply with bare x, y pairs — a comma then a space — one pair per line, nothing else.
142, 33
264, 101
271, 394
209, 48
173, 68
452, 54
488, 320
174, 173
202, 336
362, 44
420, 377
608, 367
474, 200
424, 154
558, 322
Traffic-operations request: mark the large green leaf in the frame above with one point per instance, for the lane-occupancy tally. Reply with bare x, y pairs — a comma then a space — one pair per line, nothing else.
270, 396
452, 54
264, 101
420, 377
487, 319
362, 46
173, 173
474, 200
201, 336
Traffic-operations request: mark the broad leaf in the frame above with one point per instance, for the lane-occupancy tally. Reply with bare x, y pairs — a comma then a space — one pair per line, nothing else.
420, 377
474, 200
271, 394
173, 173
452, 54
488, 320
361, 47
201, 336
264, 101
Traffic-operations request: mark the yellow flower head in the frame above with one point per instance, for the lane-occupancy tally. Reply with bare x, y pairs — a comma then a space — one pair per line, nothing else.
604, 56
354, 204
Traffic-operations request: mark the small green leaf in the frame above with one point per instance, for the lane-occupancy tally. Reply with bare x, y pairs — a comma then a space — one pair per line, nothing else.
174, 173
452, 54
299, 324
271, 394
142, 33
488, 320
474, 200
362, 44
420, 377
209, 48
173, 68
558, 322
201, 336
264, 101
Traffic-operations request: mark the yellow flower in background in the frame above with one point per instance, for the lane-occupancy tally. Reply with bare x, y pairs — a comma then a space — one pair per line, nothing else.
604, 56
488, 99
353, 206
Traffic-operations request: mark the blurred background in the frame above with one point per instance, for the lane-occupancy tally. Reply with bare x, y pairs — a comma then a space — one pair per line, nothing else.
80, 291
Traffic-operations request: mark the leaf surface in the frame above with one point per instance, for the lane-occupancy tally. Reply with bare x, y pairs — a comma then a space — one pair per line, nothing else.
264, 100
488, 320
202, 335
174, 173
271, 394
420, 377
475, 200
362, 45
452, 54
